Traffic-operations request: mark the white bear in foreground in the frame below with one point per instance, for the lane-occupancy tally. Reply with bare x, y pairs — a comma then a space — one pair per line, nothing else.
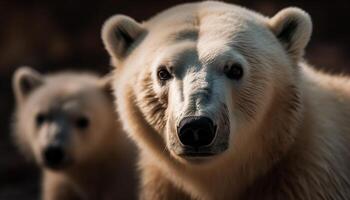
218, 100
66, 122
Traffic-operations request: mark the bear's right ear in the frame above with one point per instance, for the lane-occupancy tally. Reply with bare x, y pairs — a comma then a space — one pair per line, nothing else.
25, 81
119, 33
292, 27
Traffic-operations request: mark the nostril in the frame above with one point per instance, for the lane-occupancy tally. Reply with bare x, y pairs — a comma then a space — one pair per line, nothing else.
196, 131
53, 156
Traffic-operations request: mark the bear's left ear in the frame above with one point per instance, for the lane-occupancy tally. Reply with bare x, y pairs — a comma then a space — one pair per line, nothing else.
119, 33
25, 81
292, 27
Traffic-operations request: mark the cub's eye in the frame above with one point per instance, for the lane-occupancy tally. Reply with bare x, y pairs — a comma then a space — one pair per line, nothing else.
163, 74
82, 122
40, 119
234, 71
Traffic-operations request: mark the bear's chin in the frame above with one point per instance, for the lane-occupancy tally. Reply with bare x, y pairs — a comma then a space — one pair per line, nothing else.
195, 159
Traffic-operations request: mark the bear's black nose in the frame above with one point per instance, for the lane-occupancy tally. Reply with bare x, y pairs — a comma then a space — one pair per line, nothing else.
196, 131
53, 156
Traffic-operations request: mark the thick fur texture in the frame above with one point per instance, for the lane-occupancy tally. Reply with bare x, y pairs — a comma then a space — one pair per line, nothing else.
283, 128
100, 160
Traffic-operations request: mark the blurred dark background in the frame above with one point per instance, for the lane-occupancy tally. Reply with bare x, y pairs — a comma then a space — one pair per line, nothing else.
57, 35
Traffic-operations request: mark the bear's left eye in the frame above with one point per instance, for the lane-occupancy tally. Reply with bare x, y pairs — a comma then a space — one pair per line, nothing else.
163, 74
234, 71
82, 122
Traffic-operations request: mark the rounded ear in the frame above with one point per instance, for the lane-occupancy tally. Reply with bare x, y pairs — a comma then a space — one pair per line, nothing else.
25, 81
119, 33
292, 27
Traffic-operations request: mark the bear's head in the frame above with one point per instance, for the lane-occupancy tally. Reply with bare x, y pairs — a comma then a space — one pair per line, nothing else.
62, 120
209, 78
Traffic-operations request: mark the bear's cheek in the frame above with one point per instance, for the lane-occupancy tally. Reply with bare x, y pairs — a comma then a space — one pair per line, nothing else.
37, 154
37, 151
80, 144
170, 131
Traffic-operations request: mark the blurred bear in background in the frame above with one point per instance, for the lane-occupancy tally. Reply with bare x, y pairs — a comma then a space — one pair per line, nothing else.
66, 123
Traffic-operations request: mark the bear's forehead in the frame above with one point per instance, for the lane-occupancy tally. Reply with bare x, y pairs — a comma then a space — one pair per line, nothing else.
63, 96
190, 53
201, 18
210, 28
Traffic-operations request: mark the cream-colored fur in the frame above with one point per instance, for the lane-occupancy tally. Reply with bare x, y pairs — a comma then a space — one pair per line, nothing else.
101, 160
288, 124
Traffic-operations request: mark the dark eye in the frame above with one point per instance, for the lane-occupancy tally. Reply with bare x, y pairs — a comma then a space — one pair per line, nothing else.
82, 122
40, 119
234, 71
163, 74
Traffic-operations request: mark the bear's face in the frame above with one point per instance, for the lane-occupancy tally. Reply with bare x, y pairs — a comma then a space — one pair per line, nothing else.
61, 119
206, 72
204, 90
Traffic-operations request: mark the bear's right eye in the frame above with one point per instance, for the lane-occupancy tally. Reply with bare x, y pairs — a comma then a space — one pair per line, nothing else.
163, 74
40, 119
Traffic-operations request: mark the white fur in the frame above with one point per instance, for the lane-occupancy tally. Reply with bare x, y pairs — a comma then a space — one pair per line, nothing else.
282, 137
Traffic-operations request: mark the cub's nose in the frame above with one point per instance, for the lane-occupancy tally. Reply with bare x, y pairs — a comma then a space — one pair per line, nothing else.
53, 156
196, 131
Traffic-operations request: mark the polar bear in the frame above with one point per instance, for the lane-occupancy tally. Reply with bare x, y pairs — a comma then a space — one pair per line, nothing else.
222, 105
67, 124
